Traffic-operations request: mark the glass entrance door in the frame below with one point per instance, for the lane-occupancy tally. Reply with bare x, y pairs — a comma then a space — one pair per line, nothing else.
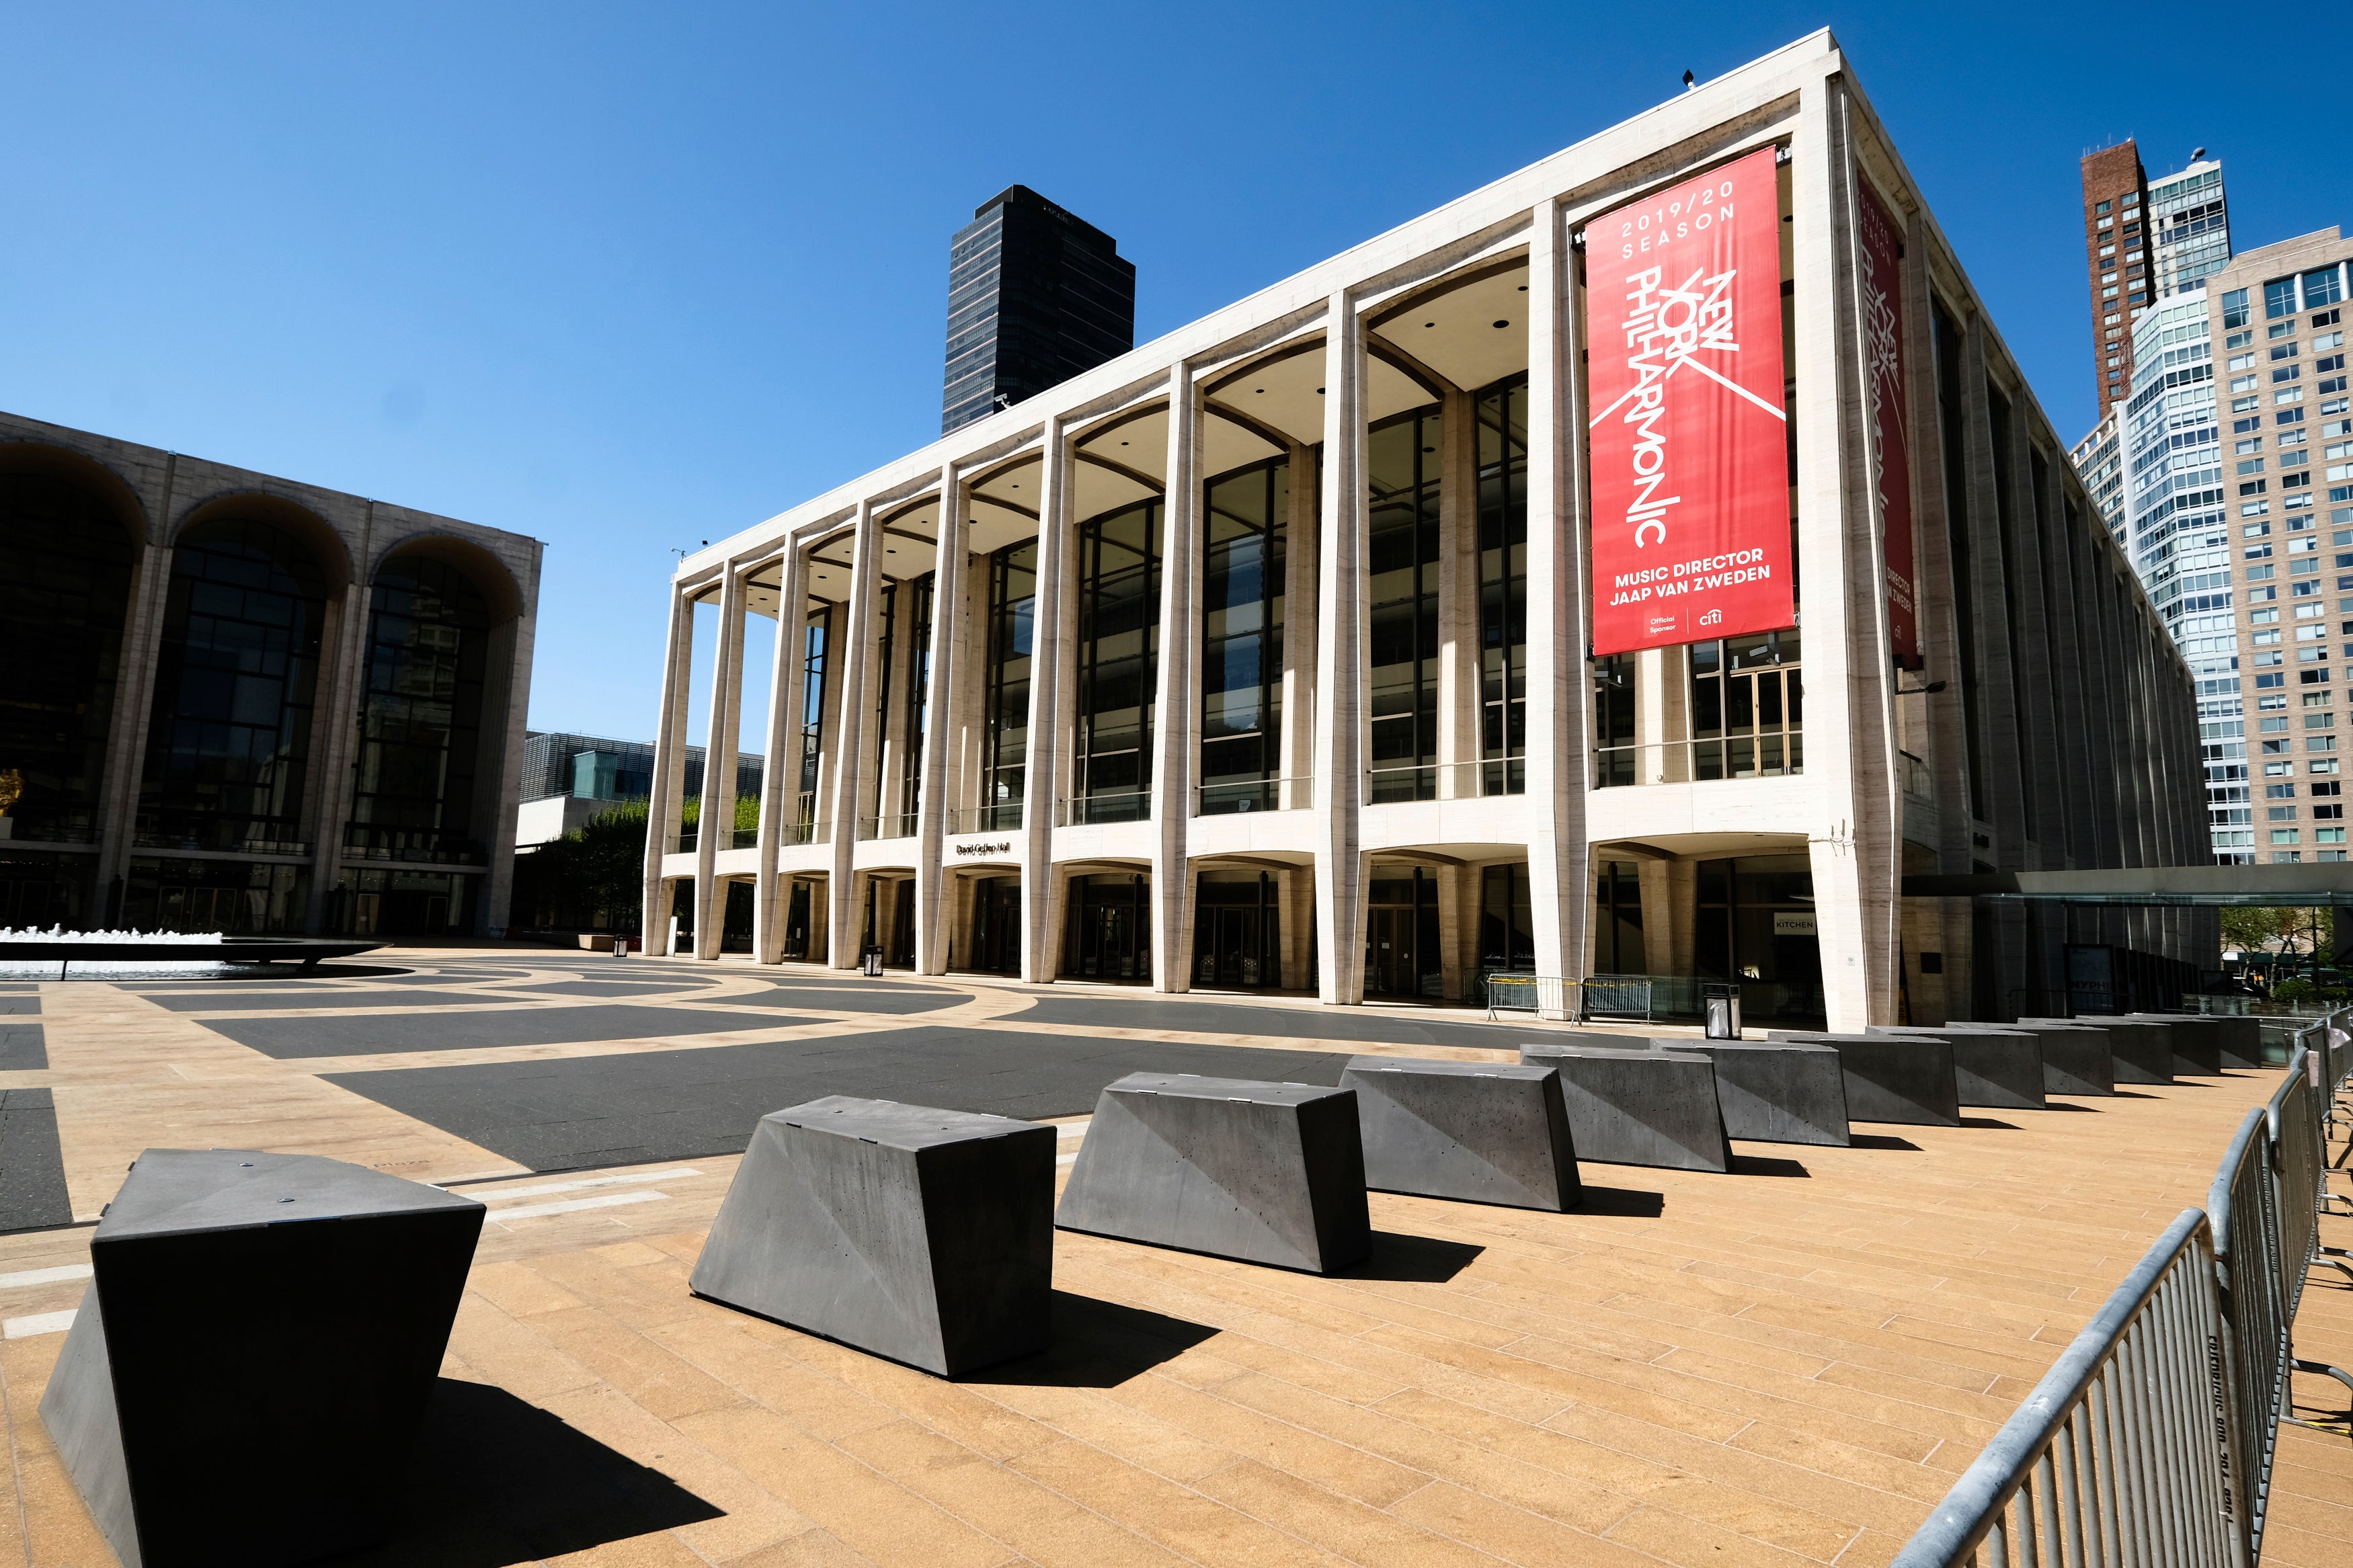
996, 926
1236, 928
1401, 935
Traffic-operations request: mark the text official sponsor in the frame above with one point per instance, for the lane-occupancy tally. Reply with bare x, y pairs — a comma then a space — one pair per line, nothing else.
1690, 484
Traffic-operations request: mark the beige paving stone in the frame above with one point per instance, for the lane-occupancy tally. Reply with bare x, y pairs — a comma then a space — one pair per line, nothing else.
1782, 1366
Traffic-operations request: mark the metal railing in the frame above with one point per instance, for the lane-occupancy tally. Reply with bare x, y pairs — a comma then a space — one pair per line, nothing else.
805, 831
1645, 996
1253, 794
1445, 781
1773, 755
1918, 781
1544, 996
1001, 818
1085, 810
896, 824
2114, 1458
746, 838
2152, 1439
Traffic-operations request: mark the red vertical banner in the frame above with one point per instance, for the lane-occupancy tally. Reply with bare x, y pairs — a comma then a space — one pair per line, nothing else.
1689, 435
1890, 417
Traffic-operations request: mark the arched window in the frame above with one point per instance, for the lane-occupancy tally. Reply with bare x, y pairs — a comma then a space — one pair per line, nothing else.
421, 715
65, 585
228, 738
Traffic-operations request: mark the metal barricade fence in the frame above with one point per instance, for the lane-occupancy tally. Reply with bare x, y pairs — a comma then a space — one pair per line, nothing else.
2121, 1455
1544, 996
2243, 1206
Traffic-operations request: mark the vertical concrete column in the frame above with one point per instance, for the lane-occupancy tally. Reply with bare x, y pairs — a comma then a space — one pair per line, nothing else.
1451, 937
1855, 837
1458, 598
716, 830
1177, 699
780, 779
853, 657
336, 718
1049, 660
1340, 650
1302, 548
134, 697
1559, 728
950, 616
1295, 888
666, 806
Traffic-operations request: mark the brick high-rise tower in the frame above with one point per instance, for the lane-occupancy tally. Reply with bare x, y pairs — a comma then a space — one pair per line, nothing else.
2115, 246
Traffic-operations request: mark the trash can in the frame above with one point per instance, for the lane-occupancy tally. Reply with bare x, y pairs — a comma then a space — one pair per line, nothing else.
871, 962
1721, 1007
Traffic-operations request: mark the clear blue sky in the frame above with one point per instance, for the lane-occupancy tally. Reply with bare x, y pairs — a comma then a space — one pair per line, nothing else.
625, 279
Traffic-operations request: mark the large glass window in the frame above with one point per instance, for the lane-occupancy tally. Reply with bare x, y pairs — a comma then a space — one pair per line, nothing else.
1503, 587
1618, 946
1507, 940
1004, 738
228, 741
421, 716
1119, 613
1241, 640
885, 641
1402, 953
2279, 298
65, 585
919, 682
1615, 753
1404, 460
1748, 707
813, 641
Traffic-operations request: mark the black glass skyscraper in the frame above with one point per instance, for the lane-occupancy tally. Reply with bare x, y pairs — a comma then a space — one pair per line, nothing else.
1035, 297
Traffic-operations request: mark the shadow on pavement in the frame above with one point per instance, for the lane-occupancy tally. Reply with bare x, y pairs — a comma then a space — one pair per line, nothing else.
500, 1481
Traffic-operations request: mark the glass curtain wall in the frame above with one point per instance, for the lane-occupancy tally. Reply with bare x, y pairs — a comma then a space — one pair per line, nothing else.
1004, 741
1618, 945
1118, 650
1748, 707
421, 718
813, 644
229, 742
65, 588
1241, 640
919, 682
1503, 587
1405, 457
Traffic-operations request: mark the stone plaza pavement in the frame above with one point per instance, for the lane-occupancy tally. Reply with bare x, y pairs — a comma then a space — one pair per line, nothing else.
1783, 1365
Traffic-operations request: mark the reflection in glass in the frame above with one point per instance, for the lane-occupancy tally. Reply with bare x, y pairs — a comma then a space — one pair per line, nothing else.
1242, 639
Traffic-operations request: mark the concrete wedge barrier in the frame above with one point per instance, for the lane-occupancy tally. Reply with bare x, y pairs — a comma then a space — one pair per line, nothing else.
1993, 1066
1488, 1132
1774, 1091
1638, 1107
2142, 1051
2197, 1041
920, 1234
2075, 1059
1910, 1081
248, 1371
1262, 1172
2242, 1040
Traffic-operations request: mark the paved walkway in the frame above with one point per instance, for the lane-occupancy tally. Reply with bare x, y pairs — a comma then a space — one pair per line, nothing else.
1782, 1366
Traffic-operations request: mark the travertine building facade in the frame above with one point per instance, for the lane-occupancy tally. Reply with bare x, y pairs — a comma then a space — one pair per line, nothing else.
1258, 656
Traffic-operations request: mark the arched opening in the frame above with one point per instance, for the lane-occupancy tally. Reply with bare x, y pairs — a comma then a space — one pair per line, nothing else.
420, 750
226, 770
64, 589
